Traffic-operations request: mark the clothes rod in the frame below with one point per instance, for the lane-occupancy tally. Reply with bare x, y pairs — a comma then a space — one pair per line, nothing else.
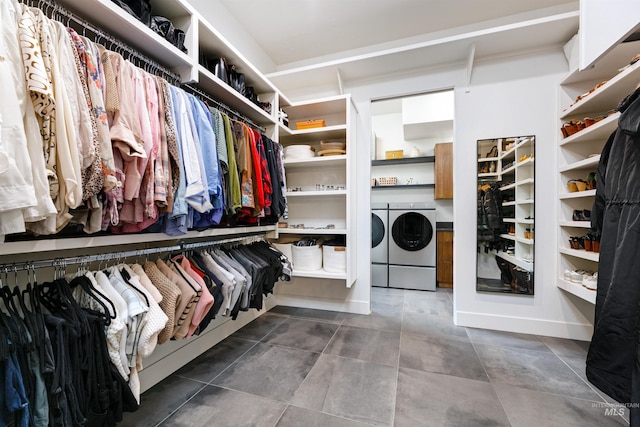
87, 259
197, 245
205, 97
59, 13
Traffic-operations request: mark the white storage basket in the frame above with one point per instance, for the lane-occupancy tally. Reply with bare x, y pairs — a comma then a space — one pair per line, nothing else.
334, 259
285, 248
306, 258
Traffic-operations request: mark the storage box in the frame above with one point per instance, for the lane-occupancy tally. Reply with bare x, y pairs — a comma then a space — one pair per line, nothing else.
306, 258
310, 124
334, 259
395, 154
387, 180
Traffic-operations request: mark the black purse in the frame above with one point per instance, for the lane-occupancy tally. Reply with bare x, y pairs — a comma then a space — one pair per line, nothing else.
236, 80
141, 9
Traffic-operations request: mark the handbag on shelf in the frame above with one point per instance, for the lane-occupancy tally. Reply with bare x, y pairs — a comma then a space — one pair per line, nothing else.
236, 80
164, 27
141, 9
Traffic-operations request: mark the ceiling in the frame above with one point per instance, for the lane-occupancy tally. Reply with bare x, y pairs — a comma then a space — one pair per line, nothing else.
307, 29
309, 40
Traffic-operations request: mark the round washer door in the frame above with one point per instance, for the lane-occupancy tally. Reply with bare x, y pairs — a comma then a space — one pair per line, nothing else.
412, 231
377, 230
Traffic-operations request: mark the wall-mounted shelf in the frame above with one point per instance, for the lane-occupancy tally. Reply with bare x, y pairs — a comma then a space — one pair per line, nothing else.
388, 187
404, 161
588, 163
608, 95
72, 243
323, 231
576, 224
578, 290
581, 253
320, 274
525, 265
578, 194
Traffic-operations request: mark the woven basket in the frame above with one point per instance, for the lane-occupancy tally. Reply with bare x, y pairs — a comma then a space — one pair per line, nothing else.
388, 180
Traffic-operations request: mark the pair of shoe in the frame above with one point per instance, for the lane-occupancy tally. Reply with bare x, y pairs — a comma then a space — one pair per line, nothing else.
581, 215
493, 152
576, 185
525, 157
586, 242
590, 281
583, 277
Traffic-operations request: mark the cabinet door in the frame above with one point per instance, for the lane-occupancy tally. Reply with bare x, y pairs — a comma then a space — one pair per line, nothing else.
444, 171
445, 259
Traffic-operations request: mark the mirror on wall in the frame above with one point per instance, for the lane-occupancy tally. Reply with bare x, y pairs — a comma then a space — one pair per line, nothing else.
506, 215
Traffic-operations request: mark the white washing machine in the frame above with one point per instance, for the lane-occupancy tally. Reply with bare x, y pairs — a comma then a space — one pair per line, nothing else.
380, 244
412, 246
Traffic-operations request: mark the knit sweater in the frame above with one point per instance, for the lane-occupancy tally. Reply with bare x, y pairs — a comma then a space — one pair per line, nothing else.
171, 298
184, 313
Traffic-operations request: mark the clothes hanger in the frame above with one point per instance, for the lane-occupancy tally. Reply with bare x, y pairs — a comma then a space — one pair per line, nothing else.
127, 278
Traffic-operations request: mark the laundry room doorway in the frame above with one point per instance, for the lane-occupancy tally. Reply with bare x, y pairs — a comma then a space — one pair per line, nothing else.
409, 210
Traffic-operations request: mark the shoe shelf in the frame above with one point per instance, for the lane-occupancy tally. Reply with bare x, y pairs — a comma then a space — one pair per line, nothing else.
522, 263
607, 96
509, 220
581, 253
505, 204
590, 163
525, 221
578, 194
578, 290
525, 241
596, 132
508, 236
509, 186
576, 224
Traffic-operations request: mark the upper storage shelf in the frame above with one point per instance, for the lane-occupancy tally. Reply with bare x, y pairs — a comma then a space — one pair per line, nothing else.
117, 22
607, 96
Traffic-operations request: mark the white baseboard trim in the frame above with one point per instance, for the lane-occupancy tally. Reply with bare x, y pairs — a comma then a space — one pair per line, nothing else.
347, 306
551, 328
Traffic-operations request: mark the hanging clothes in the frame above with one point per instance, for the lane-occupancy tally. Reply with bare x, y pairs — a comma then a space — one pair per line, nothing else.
613, 362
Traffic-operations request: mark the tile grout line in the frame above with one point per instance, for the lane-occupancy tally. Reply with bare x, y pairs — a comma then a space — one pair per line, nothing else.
181, 406
234, 362
493, 387
591, 386
286, 406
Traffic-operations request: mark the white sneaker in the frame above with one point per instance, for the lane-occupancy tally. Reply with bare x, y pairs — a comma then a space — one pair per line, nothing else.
591, 282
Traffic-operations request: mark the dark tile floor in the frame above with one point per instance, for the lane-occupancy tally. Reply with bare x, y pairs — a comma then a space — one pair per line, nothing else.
406, 364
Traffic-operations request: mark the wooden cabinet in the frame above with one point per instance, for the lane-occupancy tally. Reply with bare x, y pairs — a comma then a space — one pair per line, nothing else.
443, 171
444, 242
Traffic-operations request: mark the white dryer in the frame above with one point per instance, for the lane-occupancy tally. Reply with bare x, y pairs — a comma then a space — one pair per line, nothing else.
412, 246
379, 244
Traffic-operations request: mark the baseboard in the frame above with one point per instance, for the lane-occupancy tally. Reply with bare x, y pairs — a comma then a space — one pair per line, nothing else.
347, 306
575, 331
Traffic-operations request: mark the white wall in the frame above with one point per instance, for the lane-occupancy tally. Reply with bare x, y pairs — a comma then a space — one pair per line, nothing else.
516, 97
227, 25
512, 96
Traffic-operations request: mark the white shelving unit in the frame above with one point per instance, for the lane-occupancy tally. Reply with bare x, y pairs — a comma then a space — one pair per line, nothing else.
579, 154
514, 167
334, 203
